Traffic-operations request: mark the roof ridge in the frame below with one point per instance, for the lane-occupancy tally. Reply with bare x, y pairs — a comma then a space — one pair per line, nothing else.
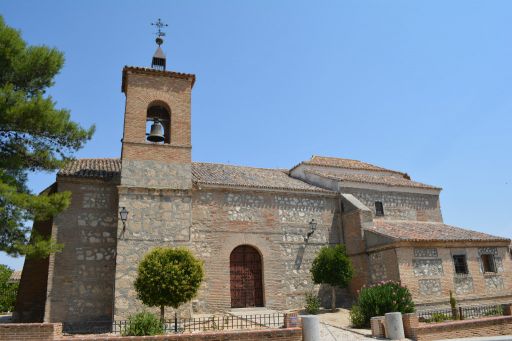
252, 167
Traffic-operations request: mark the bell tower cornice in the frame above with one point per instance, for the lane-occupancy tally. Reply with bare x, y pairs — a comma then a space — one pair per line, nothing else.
127, 70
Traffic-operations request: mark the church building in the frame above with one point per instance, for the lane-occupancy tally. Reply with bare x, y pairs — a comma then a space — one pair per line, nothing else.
257, 230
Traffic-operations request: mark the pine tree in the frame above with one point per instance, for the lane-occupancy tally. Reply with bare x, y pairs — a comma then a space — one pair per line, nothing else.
34, 136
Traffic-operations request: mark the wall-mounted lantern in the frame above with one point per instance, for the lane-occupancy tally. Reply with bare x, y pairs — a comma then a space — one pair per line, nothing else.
123, 214
312, 229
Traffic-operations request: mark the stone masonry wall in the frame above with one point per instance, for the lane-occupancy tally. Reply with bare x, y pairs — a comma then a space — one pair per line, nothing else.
81, 277
275, 224
157, 217
429, 273
383, 266
156, 174
400, 205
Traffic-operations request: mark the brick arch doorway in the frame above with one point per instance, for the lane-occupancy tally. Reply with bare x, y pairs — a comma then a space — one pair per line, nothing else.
246, 277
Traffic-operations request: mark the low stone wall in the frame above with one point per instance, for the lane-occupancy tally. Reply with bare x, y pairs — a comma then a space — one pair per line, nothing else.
289, 334
30, 331
53, 331
413, 329
489, 326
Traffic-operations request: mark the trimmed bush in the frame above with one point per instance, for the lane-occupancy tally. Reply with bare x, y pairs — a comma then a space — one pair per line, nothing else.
382, 298
142, 324
357, 317
312, 303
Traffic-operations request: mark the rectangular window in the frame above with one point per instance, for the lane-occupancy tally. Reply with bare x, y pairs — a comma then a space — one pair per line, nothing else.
488, 263
461, 266
379, 208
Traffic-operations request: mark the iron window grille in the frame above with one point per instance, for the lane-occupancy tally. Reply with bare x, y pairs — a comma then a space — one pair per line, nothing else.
460, 263
488, 263
379, 208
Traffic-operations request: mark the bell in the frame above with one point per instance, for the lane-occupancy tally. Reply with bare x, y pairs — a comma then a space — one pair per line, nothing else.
156, 133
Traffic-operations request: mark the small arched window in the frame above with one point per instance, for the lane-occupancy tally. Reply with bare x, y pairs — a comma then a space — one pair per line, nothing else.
158, 123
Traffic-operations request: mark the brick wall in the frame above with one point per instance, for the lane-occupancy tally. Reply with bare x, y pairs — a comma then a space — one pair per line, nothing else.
81, 277
430, 277
30, 331
400, 205
53, 331
273, 223
490, 326
31, 297
291, 334
141, 91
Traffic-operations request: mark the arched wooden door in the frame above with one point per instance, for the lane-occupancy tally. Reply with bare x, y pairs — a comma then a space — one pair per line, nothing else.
246, 277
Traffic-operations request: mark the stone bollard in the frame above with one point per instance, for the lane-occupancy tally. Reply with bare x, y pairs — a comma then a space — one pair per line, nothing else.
394, 326
310, 328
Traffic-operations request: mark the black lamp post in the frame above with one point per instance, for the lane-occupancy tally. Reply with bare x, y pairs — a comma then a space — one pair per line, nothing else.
123, 214
312, 229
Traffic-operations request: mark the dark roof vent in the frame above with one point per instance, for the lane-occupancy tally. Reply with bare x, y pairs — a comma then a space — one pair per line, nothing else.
158, 61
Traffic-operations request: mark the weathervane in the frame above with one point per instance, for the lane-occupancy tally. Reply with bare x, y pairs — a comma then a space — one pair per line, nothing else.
159, 24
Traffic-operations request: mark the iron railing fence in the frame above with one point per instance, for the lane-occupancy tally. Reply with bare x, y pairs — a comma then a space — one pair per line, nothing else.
184, 325
460, 313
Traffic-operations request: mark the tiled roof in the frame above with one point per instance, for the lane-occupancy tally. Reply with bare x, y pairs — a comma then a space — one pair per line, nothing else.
205, 173
239, 176
150, 71
377, 179
428, 231
92, 168
344, 163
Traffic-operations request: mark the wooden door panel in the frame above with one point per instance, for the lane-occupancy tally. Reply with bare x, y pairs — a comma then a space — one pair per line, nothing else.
246, 278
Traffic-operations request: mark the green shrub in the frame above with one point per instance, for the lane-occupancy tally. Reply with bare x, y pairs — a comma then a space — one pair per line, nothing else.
142, 324
357, 317
382, 298
437, 317
312, 303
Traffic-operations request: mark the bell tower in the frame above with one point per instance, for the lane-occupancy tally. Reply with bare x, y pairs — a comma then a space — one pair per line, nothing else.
156, 174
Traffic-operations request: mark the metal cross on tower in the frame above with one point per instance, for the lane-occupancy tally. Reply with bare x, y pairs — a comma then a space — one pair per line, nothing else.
159, 24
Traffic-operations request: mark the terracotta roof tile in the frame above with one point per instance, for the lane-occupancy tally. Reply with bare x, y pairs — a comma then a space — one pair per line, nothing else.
221, 174
150, 71
205, 173
345, 163
377, 179
92, 168
428, 231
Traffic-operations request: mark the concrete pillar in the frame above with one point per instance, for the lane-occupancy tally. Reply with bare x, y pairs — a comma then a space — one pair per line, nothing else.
394, 326
310, 328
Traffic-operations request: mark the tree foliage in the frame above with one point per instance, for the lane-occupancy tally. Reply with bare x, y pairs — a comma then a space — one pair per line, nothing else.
168, 277
7, 290
332, 266
34, 136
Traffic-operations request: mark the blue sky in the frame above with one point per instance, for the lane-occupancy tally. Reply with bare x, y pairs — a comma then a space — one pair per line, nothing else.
418, 86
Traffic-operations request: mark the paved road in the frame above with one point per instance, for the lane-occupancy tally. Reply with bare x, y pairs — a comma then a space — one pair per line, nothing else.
330, 333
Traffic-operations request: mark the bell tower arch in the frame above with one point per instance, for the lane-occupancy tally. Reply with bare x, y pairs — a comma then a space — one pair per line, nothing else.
156, 171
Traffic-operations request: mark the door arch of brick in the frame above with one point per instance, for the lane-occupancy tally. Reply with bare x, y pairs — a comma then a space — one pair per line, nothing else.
246, 277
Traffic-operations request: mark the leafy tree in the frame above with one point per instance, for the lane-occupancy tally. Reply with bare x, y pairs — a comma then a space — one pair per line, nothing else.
168, 277
34, 136
7, 290
332, 266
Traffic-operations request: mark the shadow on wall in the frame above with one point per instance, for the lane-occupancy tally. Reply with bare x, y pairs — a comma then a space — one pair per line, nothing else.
343, 297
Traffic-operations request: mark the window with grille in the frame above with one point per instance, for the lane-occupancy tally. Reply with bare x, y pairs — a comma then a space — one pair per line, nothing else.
379, 208
488, 263
461, 266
